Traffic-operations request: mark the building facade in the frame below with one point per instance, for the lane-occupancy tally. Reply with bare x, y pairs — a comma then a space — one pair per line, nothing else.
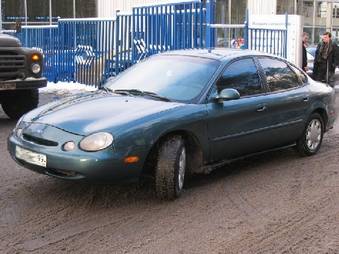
319, 16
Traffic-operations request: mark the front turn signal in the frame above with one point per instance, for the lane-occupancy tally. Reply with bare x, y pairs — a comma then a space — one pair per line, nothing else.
35, 57
131, 159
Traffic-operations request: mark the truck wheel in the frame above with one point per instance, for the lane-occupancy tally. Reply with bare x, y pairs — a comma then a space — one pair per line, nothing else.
170, 168
310, 141
17, 103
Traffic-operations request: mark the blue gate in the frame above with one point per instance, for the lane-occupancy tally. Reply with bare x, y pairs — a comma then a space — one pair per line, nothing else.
85, 45
168, 27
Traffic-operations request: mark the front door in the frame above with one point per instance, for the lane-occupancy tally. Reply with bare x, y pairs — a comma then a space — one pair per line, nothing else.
238, 127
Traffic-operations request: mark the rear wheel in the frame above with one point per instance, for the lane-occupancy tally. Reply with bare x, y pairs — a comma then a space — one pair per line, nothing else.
171, 168
310, 142
19, 102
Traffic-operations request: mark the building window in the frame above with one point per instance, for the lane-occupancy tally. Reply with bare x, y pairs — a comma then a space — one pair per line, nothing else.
335, 11
286, 6
38, 10
230, 12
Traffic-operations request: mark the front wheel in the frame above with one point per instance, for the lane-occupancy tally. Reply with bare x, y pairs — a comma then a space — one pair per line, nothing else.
171, 168
310, 141
19, 102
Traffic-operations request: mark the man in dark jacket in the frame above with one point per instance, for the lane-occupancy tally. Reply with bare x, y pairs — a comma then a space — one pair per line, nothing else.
304, 45
325, 60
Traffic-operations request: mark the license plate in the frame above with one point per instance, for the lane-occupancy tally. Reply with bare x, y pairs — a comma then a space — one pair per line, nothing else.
7, 86
31, 157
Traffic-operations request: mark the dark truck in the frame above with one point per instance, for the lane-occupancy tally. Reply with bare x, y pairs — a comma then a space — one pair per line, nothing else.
20, 77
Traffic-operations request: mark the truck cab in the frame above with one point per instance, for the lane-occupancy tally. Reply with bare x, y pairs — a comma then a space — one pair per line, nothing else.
20, 77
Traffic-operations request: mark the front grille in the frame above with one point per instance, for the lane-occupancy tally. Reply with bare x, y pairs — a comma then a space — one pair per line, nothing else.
39, 141
10, 65
63, 173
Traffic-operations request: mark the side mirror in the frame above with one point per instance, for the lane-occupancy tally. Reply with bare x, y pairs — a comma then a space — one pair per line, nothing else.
227, 95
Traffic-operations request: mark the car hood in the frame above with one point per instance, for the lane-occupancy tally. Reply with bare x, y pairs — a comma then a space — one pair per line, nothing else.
9, 41
99, 111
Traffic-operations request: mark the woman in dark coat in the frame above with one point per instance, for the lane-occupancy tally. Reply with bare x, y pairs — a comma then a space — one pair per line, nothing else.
304, 45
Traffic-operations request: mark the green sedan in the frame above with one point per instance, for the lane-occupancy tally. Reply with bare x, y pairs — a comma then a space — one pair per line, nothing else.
175, 114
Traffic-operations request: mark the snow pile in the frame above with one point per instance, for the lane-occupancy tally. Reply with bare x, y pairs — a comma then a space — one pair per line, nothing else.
65, 88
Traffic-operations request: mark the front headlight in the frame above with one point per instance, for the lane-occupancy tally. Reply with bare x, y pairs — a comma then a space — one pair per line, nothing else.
96, 142
36, 68
18, 128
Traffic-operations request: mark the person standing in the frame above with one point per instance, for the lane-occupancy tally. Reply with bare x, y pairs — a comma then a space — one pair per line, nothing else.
325, 60
304, 46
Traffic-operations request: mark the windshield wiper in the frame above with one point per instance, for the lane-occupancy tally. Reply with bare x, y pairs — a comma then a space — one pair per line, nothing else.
126, 91
155, 95
106, 89
137, 92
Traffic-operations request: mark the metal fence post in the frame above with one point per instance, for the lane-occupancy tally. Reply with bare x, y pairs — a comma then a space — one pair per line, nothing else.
210, 17
286, 34
246, 30
117, 43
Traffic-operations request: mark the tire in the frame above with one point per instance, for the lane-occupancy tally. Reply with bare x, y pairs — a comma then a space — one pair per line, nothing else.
17, 103
310, 141
170, 168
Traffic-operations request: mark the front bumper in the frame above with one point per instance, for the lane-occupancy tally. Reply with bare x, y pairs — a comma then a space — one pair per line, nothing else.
103, 166
28, 83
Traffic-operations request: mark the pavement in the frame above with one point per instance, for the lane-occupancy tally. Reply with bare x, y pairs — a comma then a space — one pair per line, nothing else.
277, 202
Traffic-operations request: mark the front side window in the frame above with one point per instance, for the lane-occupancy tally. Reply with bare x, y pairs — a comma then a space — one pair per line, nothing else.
278, 75
241, 75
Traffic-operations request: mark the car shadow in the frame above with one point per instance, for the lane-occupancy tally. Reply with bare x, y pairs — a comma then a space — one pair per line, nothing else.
91, 196
252, 164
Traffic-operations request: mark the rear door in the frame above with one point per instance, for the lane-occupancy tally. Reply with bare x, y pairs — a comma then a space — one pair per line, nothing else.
288, 100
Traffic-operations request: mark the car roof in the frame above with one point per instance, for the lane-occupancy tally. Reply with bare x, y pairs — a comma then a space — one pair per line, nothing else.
221, 54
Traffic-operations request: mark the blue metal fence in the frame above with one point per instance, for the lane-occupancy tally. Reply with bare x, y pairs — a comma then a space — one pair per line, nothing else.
89, 51
168, 27
85, 45
269, 41
273, 41
122, 57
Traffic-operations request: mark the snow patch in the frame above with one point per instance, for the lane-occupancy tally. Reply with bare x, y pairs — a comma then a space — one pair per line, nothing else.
61, 88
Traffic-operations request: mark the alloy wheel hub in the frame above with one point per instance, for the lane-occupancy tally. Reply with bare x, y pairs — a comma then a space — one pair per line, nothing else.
313, 134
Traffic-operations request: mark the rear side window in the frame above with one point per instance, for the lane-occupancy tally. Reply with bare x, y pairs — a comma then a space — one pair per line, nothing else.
243, 76
278, 75
300, 74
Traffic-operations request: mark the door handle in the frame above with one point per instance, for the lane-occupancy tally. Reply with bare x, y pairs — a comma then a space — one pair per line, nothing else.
306, 99
261, 108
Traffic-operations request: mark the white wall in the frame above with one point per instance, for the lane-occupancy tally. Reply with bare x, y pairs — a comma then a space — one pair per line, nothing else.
108, 8
262, 7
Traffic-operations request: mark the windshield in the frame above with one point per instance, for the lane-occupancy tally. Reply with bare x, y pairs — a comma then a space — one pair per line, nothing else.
180, 78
